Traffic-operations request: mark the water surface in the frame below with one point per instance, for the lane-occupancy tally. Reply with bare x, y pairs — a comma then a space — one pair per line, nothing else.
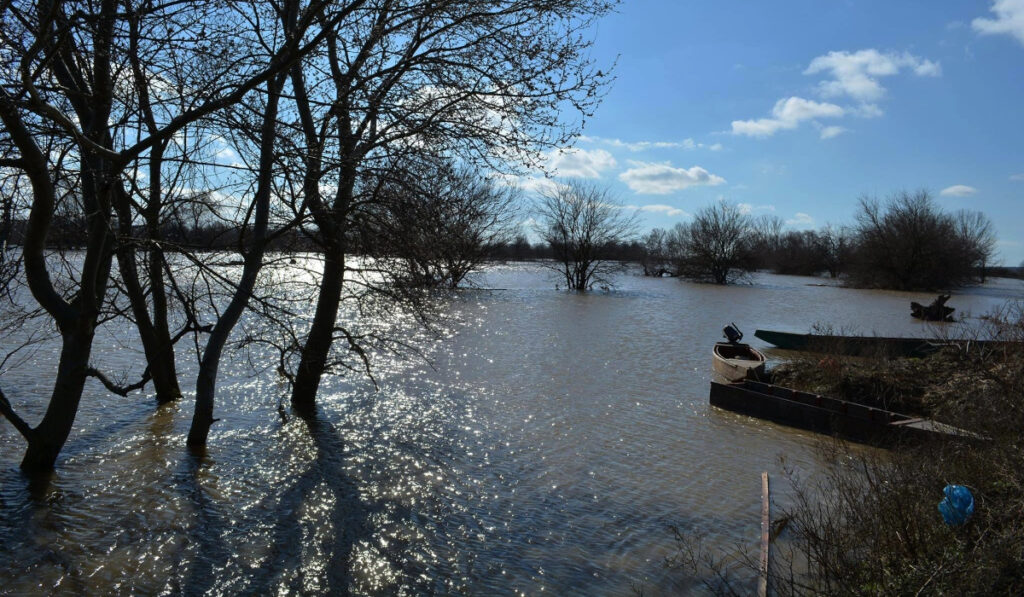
548, 446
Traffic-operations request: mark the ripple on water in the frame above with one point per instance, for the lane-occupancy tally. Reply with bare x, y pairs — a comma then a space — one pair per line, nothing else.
553, 443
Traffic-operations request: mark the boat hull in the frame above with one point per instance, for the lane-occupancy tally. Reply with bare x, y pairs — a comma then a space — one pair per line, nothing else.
823, 414
736, 362
858, 346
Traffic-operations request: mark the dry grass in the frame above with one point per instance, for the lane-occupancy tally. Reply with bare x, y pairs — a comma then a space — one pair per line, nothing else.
870, 525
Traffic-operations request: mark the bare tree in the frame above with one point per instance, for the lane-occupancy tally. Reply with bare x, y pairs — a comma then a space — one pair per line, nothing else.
837, 245
654, 258
484, 82
579, 221
909, 243
67, 86
716, 246
330, 92
767, 233
440, 222
978, 236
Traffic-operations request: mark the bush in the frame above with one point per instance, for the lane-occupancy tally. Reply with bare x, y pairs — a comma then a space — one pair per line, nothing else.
910, 244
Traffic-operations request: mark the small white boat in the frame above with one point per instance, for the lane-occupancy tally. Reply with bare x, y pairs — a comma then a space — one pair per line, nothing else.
736, 362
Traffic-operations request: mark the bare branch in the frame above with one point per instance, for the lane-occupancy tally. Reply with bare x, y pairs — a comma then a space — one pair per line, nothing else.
113, 387
8, 411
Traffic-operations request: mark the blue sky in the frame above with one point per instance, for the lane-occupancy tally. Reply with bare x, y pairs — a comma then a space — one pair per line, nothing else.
799, 108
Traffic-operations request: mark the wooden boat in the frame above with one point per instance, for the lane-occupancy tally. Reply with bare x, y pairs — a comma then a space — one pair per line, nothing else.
822, 414
735, 361
858, 346
876, 346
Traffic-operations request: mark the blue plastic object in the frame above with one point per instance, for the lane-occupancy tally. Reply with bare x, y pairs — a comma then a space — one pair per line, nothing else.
957, 506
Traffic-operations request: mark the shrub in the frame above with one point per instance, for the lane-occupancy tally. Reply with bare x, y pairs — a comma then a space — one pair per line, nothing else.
909, 243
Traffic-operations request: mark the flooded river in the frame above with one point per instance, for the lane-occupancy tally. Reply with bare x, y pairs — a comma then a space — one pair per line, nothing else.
549, 445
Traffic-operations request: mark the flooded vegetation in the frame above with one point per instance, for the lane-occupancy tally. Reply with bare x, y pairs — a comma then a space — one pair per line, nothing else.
888, 523
552, 442
258, 333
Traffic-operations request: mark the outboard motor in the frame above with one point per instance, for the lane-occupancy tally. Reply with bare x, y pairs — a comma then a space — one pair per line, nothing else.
732, 333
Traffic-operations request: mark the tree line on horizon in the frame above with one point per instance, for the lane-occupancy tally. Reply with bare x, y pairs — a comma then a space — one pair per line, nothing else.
906, 242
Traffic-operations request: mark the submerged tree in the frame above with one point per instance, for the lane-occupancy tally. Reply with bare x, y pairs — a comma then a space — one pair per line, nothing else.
440, 222
66, 104
837, 245
655, 253
482, 82
909, 243
978, 237
716, 246
579, 221
96, 99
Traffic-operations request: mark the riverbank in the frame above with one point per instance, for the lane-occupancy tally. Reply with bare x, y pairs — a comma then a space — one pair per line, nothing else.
871, 525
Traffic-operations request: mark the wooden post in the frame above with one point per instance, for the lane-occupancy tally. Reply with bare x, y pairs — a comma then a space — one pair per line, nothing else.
762, 584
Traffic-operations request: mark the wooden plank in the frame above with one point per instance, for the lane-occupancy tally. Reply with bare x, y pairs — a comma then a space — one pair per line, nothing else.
762, 584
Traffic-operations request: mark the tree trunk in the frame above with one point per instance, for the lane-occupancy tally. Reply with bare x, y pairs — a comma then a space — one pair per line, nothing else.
321, 335
164, 369
153, 331
5, 226
49, 437
206, 381
156, 342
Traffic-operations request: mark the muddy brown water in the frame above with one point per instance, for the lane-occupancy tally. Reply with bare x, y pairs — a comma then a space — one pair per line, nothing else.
549, 446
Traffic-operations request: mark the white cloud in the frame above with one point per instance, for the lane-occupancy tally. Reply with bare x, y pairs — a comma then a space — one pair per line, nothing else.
1017, 177
529, 184
668, 210
856, 74
828, 132
573, 162
852, 74
801, 220
1009, 20
787, 114
635, 146
798, 109
958, 190
749, 208
661, 179
538, 184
